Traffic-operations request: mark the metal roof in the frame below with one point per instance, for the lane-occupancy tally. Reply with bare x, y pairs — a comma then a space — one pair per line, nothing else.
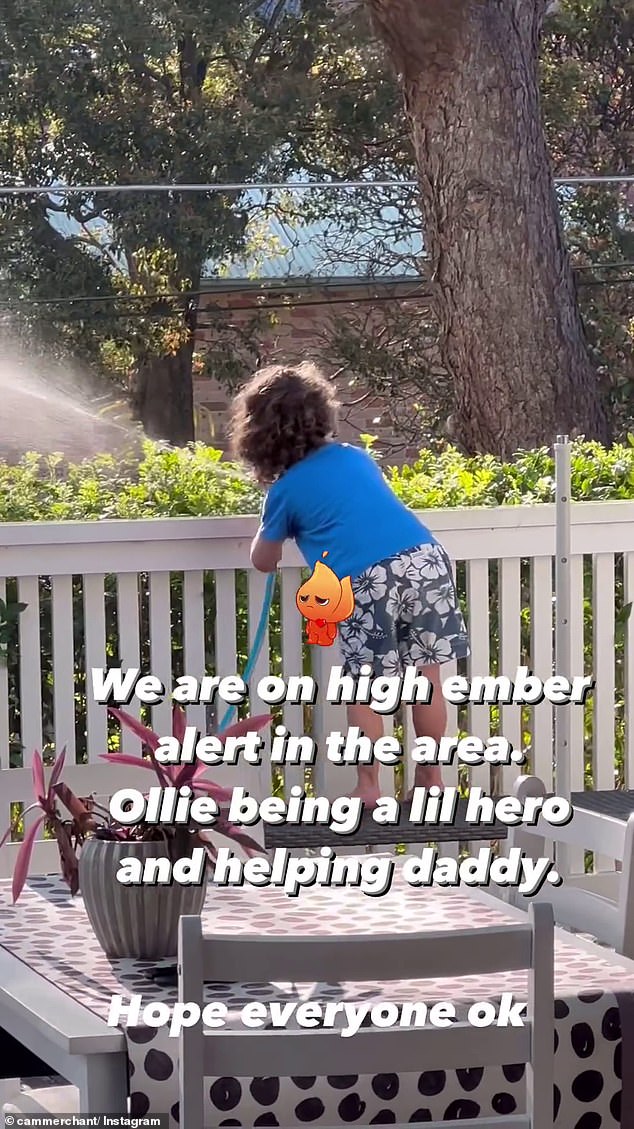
320, 251
289, 251
286, 250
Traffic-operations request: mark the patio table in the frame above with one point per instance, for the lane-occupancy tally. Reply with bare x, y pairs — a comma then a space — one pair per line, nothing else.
594, 1009
45, 1028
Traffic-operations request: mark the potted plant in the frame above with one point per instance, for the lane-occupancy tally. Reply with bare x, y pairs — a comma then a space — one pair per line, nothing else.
128, 921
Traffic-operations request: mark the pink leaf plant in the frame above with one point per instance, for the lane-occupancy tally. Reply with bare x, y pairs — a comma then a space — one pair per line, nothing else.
188, 775
87, 818
69, 833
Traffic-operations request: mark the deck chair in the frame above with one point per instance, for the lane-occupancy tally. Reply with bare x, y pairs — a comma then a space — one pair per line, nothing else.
222, 1053
599, 904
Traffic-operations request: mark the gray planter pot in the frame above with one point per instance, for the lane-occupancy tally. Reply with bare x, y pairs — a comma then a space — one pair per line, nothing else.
132, 921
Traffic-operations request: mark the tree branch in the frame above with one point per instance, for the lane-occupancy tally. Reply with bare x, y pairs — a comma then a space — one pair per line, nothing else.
80, 218
92, 239
266, 35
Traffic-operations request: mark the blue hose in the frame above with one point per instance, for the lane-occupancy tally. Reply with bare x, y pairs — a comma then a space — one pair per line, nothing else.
257, 644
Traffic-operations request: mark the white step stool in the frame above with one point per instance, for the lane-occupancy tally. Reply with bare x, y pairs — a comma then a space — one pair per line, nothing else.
48, 1099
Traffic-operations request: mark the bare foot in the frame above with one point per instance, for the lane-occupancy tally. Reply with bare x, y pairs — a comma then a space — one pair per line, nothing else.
427, 776
370, 795
367, 788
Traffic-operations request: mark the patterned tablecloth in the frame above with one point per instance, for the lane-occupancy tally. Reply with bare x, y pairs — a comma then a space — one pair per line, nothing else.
594, 1007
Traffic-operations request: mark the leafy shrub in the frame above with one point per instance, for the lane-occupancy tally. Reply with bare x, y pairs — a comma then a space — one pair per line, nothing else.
182, 483
444, 478
194, 482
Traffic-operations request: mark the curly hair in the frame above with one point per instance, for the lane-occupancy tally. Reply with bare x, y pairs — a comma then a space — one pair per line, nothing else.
280, 416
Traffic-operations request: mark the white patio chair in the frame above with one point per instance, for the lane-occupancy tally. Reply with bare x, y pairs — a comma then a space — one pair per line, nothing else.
599, 904
220, 1052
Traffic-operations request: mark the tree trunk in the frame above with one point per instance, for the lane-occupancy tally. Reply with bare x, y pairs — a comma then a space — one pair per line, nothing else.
512, 337
163, 397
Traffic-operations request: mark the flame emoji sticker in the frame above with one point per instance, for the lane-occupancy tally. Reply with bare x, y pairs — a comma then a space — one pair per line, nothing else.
324, 601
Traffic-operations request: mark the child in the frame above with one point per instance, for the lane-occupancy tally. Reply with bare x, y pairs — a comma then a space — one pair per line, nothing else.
330, 496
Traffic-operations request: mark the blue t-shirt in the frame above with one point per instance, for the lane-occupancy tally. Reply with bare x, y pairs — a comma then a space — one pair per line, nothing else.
337, 500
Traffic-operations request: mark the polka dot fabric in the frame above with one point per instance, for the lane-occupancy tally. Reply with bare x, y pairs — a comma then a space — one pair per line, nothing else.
49, 931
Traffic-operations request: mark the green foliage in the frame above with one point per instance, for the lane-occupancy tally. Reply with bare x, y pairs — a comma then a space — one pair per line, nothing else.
9, 614
188, 482
196, 482
442, 477
126, 92
123, 91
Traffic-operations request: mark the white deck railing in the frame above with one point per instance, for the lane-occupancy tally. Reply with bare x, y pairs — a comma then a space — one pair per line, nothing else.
178, 596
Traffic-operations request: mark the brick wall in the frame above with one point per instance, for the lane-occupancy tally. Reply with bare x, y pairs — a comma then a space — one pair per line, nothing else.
303, 321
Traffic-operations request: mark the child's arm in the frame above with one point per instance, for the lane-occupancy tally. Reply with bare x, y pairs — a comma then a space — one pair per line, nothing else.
267, 545
265, 555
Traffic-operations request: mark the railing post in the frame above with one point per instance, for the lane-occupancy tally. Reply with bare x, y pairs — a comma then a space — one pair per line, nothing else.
563, 649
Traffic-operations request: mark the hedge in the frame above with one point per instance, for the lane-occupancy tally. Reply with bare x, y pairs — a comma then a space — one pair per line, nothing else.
194, 482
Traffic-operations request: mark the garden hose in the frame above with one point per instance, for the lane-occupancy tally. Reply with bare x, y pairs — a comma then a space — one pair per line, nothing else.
258, 643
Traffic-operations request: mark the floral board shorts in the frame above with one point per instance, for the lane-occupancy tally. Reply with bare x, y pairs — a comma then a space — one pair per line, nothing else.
406, 614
